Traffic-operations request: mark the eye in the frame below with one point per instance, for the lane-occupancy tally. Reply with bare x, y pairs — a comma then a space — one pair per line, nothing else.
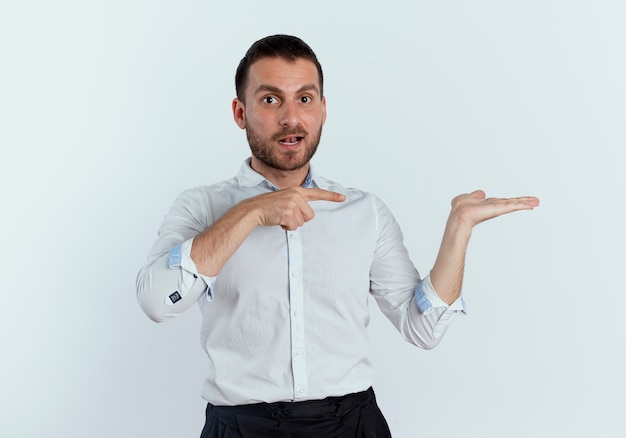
306, 99
270, 100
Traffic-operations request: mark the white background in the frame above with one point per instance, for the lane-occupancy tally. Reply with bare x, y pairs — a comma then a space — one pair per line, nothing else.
109, 109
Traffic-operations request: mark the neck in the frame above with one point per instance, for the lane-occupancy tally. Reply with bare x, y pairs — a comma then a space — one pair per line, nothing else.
283, 179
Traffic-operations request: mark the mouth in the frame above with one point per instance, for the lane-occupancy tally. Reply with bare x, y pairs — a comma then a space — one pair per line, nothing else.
291, 140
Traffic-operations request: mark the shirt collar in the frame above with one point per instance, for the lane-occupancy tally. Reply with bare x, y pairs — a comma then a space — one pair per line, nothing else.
248, 177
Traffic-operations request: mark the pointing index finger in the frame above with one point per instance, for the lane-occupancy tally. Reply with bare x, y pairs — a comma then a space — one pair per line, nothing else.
323, 195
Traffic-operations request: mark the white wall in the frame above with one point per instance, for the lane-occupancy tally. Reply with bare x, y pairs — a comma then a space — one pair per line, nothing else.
109, 109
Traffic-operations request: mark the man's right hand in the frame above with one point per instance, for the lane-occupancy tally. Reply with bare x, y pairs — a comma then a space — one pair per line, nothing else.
290, 207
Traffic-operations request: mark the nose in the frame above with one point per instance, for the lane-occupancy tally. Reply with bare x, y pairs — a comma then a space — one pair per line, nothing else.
289, 115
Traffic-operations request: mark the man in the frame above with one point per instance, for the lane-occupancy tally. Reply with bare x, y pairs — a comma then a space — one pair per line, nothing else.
281, 262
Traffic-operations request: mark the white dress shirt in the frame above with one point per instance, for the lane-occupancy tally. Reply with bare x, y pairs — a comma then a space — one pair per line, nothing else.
286, 317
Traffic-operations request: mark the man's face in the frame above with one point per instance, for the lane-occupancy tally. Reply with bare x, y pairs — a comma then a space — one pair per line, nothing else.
283, 113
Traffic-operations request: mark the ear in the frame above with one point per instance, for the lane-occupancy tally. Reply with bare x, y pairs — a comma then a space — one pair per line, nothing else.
239, 113
323, 109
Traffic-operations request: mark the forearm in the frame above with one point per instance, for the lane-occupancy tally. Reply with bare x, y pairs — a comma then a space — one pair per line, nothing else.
212, 248
171, 282
467, 211
447, 273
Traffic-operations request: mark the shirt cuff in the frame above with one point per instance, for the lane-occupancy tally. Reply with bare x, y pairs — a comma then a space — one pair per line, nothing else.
427, 299
180, 258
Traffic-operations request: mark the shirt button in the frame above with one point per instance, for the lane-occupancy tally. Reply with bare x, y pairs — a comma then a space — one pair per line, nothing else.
296, 313
292, 236
300, 391
295, 274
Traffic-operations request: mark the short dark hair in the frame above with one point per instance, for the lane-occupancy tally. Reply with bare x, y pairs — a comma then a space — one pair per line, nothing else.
287, 47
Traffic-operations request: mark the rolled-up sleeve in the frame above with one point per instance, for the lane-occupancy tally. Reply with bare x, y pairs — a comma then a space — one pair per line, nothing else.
428, 301
409, 302
180, 257
170, 283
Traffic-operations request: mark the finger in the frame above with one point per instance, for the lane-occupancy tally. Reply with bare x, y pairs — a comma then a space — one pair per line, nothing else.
293, 215
508, 205
480, 194
297, 217
307, 212
289, 224
323, 195
290, 227
523, 201
531, 200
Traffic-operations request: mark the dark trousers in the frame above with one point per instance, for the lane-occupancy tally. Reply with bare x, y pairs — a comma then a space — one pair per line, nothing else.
350, 416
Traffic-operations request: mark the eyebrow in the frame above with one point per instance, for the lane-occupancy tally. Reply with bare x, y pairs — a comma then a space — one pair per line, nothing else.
265, 87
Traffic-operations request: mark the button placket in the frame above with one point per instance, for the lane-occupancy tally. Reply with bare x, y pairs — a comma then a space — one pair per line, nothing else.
296, 302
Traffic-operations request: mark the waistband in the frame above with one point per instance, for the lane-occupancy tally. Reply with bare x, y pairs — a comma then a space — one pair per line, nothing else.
334, 406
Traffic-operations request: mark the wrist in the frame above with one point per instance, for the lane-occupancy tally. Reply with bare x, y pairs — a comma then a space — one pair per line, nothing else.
459, 226
247, 212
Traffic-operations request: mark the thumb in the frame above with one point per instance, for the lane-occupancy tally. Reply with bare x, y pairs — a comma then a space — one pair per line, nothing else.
479, 194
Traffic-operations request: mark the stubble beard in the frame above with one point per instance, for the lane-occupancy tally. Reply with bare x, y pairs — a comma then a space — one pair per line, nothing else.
270, 155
